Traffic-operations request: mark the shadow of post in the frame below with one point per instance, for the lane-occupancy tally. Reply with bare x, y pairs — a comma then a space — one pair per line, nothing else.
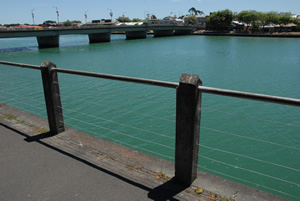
166, 191
38, 137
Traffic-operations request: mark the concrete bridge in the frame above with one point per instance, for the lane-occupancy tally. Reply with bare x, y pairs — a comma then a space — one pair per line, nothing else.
49, 36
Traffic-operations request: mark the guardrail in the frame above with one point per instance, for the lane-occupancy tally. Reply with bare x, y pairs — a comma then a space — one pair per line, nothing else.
188, 109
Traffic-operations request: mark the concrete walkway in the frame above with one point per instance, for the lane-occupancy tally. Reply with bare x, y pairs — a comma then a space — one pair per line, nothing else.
74, 166
77, 166
34, 171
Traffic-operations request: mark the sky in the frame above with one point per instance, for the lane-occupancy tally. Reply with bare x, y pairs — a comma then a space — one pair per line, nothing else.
19, 11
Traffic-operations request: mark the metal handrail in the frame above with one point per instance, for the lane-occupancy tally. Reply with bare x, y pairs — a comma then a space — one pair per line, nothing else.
203, 89
119, 78
251, 96
20, 65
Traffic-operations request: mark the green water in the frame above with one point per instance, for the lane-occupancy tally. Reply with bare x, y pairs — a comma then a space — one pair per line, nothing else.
254, 143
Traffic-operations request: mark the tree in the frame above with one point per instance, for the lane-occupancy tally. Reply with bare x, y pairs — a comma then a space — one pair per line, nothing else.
123, 19
191, 20
267, 18
284, 20
220, 20
153, 17
272, 17
136, 20
76, 21
67, 23
193, 11
248, 17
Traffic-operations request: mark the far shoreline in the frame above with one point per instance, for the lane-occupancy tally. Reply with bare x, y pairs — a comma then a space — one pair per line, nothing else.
269, 35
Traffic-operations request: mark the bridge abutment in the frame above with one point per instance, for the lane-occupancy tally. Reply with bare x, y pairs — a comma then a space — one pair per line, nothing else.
163, 33
99, 37
48, 41
136, 35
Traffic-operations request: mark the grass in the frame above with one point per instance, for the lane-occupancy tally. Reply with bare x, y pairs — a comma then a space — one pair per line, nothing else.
10, 117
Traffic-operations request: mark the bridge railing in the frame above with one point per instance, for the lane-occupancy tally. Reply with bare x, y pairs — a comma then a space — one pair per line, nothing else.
189, 92
92, 26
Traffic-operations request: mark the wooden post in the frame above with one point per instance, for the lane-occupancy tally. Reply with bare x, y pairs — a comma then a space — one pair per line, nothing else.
52, 98
188, 107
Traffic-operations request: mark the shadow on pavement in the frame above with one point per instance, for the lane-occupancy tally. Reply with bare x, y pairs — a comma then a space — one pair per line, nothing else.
166, 191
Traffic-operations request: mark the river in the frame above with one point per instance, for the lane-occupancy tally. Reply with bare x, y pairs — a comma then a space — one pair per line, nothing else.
254, 143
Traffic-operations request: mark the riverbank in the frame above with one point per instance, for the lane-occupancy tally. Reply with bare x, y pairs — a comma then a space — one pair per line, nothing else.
272, 35
133, 173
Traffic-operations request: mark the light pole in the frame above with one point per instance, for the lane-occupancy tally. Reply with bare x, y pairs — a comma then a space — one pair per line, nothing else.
110, 13
32, 14
124, 14
57, 14
85, 15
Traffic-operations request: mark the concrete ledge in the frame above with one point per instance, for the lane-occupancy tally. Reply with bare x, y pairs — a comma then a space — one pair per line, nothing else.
136, 167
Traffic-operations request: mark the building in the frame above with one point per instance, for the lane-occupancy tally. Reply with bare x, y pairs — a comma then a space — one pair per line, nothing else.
166, 21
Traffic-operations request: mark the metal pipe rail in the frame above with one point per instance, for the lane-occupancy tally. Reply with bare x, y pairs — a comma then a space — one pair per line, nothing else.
251, 96
210, 90
119, 78
20, 65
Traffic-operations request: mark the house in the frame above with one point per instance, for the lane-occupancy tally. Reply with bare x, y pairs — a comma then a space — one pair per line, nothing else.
165, 21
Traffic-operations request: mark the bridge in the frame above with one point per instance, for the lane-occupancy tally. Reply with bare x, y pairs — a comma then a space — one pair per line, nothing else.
49, 36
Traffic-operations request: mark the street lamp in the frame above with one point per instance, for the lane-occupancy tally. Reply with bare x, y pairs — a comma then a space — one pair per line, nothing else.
32, 14
57, 14
110, 13
85, 15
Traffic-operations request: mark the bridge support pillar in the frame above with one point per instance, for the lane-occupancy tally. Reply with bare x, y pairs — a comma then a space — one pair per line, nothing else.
99, 37
136, 35
182, 32
162, 33
48, 41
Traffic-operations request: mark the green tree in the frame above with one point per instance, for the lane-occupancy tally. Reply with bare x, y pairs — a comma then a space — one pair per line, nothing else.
284, 20
249, 17
67, 23
191, 20
267, 18
272, 17
220, 20
137, 20
153, 17
123, 19
76, 21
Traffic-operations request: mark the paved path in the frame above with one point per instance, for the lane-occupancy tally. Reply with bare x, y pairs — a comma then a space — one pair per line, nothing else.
77, 166
33, 171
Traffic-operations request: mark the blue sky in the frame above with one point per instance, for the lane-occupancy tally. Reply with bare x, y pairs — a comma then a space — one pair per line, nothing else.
19, 11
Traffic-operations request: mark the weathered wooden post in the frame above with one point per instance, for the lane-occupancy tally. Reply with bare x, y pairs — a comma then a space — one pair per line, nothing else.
188, 108
52, 98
